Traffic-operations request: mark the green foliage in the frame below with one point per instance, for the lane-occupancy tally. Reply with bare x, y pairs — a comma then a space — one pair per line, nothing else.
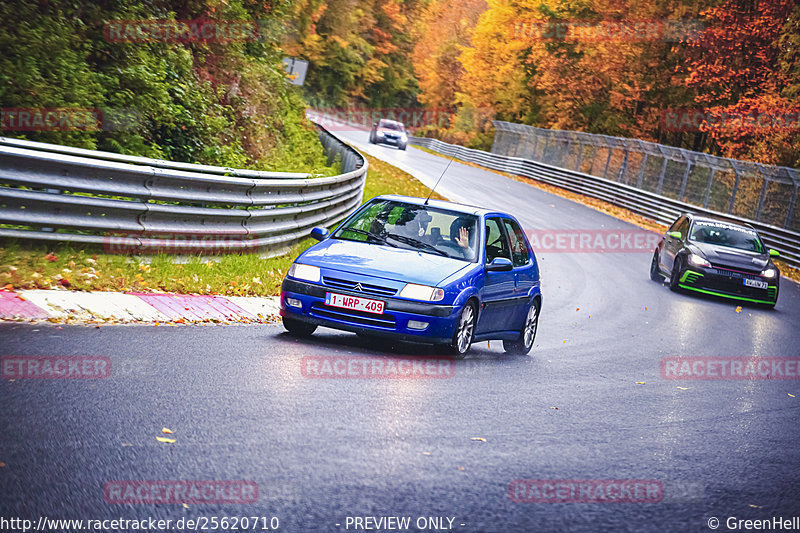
193, 102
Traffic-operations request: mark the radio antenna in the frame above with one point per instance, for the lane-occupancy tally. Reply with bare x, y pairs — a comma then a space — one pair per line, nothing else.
437, 181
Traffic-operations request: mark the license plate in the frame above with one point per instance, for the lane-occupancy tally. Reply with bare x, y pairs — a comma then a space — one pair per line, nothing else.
354, 302
758, 284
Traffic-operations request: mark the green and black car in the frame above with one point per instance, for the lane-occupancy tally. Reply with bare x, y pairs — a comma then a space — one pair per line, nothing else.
717, 257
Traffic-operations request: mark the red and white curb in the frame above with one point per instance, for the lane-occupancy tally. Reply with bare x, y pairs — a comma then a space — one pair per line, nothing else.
99, 306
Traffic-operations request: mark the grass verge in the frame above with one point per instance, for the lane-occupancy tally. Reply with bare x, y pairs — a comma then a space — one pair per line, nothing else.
25, 265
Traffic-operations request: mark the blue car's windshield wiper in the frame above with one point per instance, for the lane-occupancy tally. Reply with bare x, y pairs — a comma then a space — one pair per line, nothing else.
416, 244
375, 236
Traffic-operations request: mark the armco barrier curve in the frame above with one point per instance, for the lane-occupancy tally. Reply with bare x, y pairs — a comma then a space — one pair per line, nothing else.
58, 193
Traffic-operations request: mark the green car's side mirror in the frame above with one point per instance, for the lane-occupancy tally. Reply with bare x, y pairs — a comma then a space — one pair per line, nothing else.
774, 253
675, 234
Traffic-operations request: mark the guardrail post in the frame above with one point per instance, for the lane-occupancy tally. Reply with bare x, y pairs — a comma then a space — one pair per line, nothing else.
763, 194
640, 179
624, 167
708, 187
663, 172
685, 179
735, 189
52, 191
608, 160
544, 151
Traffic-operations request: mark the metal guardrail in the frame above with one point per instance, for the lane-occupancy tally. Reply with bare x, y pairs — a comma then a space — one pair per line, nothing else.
660, 208
744, 189
58, 193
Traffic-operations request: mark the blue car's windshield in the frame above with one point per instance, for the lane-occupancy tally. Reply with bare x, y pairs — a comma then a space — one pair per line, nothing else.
415, 227
722, 234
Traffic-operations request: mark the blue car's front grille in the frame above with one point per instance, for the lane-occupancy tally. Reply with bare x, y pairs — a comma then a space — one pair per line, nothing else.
366, 288
322, 310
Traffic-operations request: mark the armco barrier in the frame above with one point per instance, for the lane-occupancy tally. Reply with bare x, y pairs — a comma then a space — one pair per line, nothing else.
660, 208
58, 193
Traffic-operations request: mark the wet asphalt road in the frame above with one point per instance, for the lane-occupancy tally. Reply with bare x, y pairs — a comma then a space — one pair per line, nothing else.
589, 403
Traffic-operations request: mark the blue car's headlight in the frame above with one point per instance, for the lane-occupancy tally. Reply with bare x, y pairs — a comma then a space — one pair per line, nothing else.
421, 292
304, 272
769, 273
379, 133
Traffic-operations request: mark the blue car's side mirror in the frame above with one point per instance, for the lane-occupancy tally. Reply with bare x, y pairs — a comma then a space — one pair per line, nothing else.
319, 233
500, 264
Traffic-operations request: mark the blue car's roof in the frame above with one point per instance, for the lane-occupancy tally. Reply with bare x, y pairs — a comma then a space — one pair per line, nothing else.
441, 204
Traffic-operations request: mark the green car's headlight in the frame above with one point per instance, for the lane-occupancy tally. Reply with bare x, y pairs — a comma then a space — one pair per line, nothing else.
698, 260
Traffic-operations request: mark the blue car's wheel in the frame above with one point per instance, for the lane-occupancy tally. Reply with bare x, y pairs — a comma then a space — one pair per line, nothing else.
462, 338
296, 327
524, 344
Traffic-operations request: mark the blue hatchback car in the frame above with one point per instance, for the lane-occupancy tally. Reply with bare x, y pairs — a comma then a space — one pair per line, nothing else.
421, 271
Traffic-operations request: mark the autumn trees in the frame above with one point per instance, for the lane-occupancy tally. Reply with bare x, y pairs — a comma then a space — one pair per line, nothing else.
616, 67
358, 51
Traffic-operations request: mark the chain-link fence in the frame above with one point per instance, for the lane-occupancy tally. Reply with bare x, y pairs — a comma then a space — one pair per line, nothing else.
764, 193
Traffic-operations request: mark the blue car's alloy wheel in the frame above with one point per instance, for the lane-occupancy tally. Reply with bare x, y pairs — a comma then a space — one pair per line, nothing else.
528, 334
462, 339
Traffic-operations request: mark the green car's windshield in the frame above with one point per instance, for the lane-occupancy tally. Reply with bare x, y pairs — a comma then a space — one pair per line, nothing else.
722, 234
414, 227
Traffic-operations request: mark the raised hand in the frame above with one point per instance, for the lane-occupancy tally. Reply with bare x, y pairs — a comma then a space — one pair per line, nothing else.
463, 237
